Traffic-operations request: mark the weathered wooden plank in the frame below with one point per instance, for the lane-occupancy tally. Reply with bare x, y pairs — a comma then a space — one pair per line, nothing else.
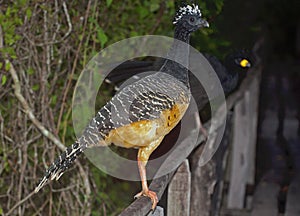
142, 205
203, 183
235, 212
206, 188
290, 129
253, 119
293, 195
244, 145
159, 211
221, 160
239, 163
179, 191
293, 198
265, 199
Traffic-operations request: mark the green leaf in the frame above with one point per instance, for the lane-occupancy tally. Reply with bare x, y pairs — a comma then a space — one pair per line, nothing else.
35, 87
102, 37
8, 51
4, 79
224, 43
7, 66
134, 33
53, 99
28, 13
219, 6
108, 2
21, 2
154, 7
143, 12
30, 71
18, 21
8, 11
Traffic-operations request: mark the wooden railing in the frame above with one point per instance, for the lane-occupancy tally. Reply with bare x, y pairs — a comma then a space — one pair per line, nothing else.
192, 189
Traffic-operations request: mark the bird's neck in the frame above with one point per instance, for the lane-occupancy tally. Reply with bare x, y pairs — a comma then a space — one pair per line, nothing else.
179, 53
182, 34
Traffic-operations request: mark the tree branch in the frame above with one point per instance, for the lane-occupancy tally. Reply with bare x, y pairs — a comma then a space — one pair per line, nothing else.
28, 110
20, 202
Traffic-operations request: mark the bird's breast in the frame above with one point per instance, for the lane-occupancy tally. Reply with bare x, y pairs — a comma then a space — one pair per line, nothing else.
142, 133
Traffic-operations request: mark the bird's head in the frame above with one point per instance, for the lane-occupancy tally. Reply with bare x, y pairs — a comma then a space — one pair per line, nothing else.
189, 17
240, 59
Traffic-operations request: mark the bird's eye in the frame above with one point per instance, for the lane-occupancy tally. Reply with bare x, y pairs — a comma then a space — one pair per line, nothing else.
192, 19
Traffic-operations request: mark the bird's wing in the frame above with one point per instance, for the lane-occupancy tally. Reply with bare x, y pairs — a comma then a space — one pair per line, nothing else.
145, 99
134, 70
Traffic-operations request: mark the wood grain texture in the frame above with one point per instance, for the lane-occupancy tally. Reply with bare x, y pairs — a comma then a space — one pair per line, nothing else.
265, 199
241, 142
179, 191
244, 145
293, 198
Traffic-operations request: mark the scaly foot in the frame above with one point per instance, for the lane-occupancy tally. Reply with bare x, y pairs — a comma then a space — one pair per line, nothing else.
151, 194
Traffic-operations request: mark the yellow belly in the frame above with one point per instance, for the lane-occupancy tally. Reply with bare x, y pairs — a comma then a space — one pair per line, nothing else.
142, 133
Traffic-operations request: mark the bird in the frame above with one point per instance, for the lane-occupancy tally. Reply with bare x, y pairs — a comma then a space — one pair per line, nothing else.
233, 69
160, 101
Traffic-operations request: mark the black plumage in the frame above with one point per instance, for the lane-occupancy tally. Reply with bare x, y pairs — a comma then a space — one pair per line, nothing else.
231, 72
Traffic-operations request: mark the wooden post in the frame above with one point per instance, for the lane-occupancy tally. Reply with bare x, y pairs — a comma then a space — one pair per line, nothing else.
244, 146
179, 191
203, 184
253, 118
239, 163
221, 161
293, 197
265, 199
159, 211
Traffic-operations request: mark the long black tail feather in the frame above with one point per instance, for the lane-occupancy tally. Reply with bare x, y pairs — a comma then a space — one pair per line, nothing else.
61, 164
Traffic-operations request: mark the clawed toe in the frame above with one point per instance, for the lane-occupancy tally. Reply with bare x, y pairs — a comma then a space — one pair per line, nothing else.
151, 194
138, 195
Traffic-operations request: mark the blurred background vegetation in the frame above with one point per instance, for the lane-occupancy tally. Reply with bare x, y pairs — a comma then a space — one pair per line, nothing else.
48, 43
